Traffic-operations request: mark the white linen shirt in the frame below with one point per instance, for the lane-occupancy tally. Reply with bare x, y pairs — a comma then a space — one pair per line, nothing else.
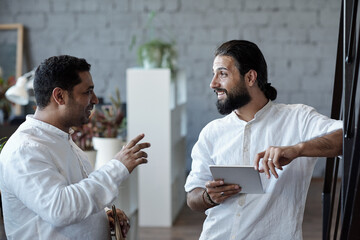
49, 189
278, 213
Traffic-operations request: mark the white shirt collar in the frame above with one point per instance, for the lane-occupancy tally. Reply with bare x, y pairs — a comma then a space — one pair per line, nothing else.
46, 126
258, 115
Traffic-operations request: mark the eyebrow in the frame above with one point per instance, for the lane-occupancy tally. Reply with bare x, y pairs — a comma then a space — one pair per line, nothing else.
90, 88
221, 68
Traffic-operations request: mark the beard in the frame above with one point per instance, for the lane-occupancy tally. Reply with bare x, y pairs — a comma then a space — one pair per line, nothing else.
236, 98
77, 114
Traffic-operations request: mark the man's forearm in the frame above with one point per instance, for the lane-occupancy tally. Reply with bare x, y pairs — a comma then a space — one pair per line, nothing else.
329, 145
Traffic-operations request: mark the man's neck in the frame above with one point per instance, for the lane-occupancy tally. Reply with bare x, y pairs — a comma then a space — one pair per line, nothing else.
51, 118
247, 112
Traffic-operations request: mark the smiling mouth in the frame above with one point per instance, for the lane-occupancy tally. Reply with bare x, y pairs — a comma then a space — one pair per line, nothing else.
91, 111
220, 92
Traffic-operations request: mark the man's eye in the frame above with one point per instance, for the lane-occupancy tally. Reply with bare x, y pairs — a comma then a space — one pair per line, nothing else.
223, 74
89, 92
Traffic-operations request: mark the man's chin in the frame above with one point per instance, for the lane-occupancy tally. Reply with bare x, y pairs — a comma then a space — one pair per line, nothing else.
85, 121
222, 109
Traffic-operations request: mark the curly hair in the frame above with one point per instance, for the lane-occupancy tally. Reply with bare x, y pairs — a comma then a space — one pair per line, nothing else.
58, 71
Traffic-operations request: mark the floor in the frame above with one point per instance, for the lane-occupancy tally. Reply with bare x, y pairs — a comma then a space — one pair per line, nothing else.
188, 224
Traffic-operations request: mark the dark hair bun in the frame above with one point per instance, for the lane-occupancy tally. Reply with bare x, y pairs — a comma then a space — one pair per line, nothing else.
270, 92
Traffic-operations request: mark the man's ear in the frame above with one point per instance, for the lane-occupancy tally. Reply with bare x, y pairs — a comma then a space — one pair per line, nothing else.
250, 77
58, 95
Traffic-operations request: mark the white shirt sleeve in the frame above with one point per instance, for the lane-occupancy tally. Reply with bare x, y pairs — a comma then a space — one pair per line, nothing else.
201, 160
39, 184
316, 124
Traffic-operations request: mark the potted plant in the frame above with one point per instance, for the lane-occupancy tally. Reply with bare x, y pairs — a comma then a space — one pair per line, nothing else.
109, 124
155, 53
109, 121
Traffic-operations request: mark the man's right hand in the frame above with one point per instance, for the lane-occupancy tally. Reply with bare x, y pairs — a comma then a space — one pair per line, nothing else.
131, 155
219, 191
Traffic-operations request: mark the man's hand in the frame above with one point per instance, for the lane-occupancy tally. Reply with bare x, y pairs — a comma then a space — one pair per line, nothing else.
219, 191
131, 155
275, 157
123, 219
329, 145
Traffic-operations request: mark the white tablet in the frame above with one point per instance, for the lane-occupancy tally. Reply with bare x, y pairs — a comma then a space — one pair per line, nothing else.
245, 176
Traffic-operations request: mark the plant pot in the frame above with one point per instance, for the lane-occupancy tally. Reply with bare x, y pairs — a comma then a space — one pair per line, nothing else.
157, 54
106, 149
151, 57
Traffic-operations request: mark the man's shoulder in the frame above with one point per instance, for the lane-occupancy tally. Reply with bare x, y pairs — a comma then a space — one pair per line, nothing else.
219, 125
291, 105
297, 107
21, 140
28, 136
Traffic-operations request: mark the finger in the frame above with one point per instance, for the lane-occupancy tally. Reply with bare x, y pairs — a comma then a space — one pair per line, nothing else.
141, 154
257, 159
265, 164
109, 213
215, 183
276, 160
140, 161
135, 140
125, 230
232, 192
227, 187
140, 146
272, 167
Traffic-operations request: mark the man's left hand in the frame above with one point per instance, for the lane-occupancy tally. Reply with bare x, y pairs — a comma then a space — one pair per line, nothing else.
275, 157
123, 219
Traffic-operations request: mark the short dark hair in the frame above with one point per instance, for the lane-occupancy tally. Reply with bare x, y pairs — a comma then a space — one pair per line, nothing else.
248, 56
58, 71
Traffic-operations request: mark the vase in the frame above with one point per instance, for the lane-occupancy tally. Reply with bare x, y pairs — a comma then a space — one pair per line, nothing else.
106, 149
152, 57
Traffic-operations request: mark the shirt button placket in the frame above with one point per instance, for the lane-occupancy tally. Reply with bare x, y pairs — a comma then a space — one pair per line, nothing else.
246, 148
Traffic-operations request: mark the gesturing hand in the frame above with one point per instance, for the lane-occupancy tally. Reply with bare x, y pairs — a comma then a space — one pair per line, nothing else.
275, 157
131, 155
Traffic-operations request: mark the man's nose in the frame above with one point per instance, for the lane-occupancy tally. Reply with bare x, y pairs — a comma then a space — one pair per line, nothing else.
214, 82
94, 99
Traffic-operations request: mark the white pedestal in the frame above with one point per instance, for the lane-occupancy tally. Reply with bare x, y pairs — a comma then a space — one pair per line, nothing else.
156, 107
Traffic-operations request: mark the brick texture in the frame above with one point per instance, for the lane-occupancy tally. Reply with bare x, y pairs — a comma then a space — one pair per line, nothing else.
298, 39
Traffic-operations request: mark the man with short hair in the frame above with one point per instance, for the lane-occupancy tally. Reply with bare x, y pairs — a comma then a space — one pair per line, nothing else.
288, 139
49, 189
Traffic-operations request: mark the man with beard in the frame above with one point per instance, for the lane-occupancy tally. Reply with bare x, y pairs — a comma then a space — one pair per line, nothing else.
49, 189
286, 138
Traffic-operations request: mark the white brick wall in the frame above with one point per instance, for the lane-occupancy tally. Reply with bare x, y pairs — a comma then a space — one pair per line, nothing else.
298, 39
